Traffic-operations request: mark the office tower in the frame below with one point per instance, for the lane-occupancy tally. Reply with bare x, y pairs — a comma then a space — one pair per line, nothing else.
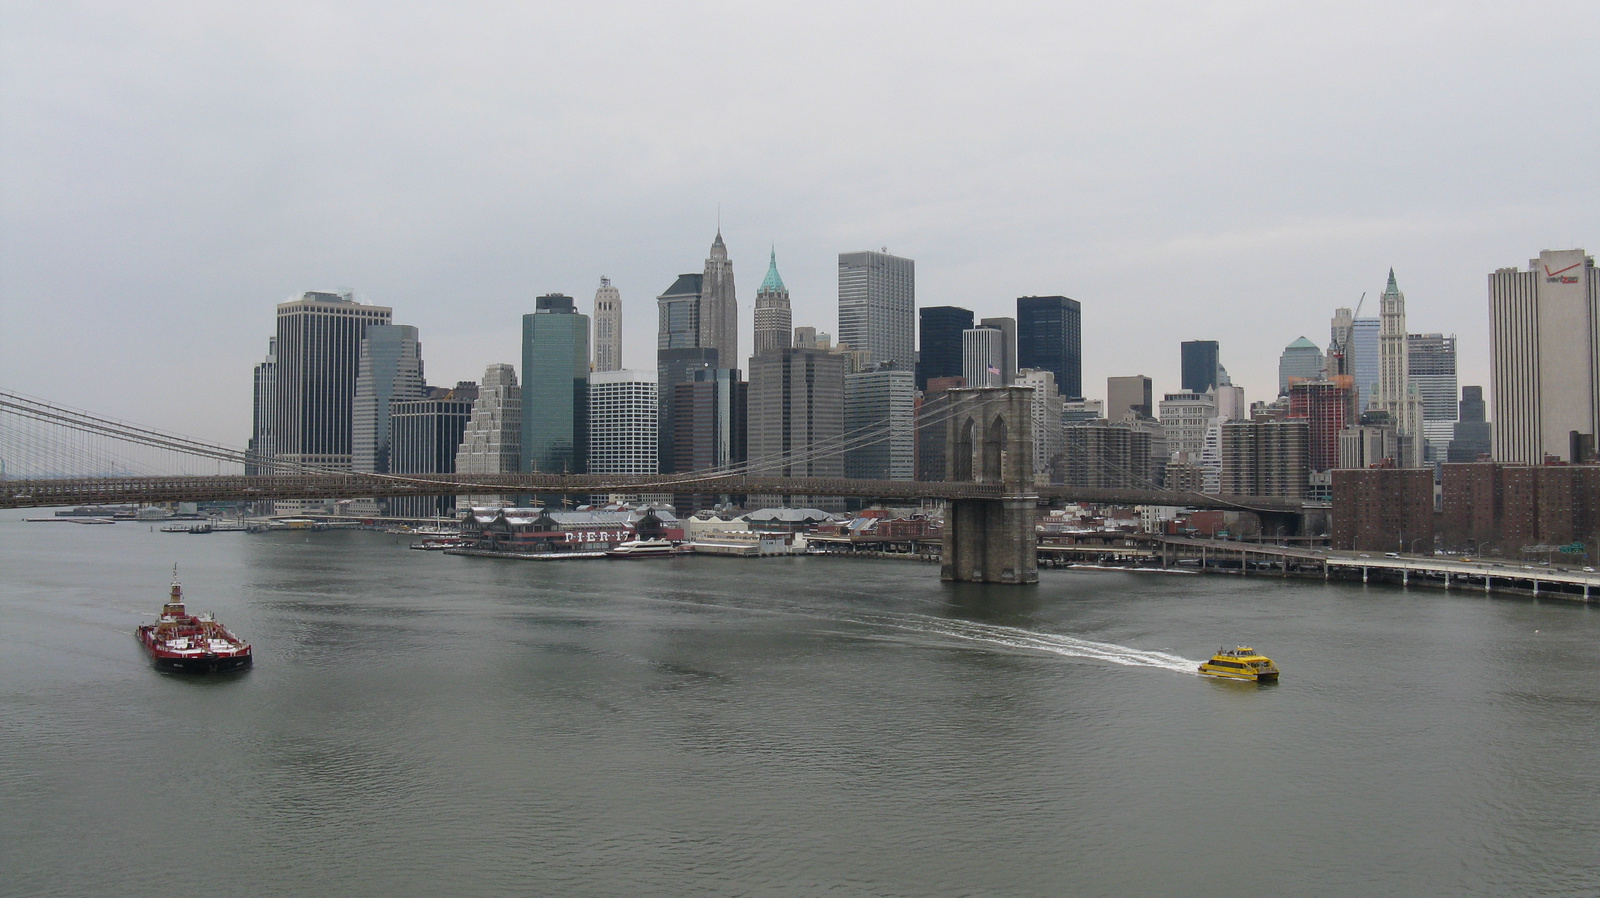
1201, 365
1128, 396
1471, 437
427, 433
678, 314
709, 420
877, 307
719, 309
623, 409
319, 356
1367, 445
1394, 392
982, 356
1364, 340
1545, 357
607, 327
1300, 359
774, 320
1264, 458
555, 387
263, 396
1431, 367
675, 366
1008, 347
933, 427
492, 442
390, 368
1050, 338
1048, 441
1325, 407
1186, 417
879, 424
1341, 345
939, 346
796, 417
1230, 402
808, 338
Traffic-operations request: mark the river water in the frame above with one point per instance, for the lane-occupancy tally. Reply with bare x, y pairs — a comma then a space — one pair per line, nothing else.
418, 724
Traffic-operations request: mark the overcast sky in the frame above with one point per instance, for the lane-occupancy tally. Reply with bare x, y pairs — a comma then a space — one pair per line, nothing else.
1228, 171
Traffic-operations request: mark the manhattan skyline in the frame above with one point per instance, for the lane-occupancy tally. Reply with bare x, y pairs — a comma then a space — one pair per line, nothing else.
1225, 175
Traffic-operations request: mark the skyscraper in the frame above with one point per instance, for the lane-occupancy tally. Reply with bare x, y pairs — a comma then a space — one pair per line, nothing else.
390, 368
555, 387
719, 308
939, 353
1325, 407
877, 307
1471, 437
1364, 365
492, 442
1008, 347
879, 424
796, 418
607, 327
263, 397
1187, 417
774, 320
1048, 440
1300, 359
1545, 357
1431, 366
622, 422
1200, 365
983, 356
1395, 393
678, 310
1050, 338
427, 433
319, 356
1128, 396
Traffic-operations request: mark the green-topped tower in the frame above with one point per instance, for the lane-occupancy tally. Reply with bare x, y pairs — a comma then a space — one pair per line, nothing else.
774, 320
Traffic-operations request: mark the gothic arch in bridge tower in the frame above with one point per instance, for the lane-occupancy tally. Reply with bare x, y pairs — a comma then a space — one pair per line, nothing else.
989, 538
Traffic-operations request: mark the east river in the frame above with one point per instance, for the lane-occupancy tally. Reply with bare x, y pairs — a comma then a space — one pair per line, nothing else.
418, 724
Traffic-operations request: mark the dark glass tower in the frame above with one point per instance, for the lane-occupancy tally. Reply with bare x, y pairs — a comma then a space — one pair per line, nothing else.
555, 387
939, 352
1200, 363
1050, 338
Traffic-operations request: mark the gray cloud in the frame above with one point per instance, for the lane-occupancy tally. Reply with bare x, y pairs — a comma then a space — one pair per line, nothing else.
1234, 172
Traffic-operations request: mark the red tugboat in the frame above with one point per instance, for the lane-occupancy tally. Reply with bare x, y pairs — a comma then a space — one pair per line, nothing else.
183, 643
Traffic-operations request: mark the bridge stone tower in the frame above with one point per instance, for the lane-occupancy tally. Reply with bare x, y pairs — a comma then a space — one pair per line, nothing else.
990, 442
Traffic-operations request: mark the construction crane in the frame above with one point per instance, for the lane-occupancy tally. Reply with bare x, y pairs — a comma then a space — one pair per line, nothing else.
1338, 348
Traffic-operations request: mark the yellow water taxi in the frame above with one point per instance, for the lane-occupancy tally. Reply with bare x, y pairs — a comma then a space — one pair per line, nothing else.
1242, 663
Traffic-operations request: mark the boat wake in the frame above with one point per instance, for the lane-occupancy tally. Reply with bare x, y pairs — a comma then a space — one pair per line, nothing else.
1030, 640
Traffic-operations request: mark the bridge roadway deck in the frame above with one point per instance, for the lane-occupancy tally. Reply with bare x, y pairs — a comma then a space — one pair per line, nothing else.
116, 490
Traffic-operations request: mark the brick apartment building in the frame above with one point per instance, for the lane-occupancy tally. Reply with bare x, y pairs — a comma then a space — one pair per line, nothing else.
1505, 507
1383, 510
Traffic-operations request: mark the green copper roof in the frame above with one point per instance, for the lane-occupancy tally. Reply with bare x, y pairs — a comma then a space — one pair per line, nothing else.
1393, 287
772, 283
1303, 343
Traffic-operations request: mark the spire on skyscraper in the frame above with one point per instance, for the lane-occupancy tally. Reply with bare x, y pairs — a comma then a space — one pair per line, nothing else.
772, 283
1393, 287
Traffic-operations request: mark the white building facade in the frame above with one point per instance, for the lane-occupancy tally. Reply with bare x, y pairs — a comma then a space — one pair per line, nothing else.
623, 417
607, 327
1545, 356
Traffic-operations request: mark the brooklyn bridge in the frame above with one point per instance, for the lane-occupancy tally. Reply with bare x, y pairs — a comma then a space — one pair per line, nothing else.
991, 494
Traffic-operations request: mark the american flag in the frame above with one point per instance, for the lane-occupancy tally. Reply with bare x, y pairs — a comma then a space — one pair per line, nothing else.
995, 370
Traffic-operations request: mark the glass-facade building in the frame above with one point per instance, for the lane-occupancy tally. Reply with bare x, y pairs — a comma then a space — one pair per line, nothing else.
1050, 338
555, 387
1200, 364
939, 349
